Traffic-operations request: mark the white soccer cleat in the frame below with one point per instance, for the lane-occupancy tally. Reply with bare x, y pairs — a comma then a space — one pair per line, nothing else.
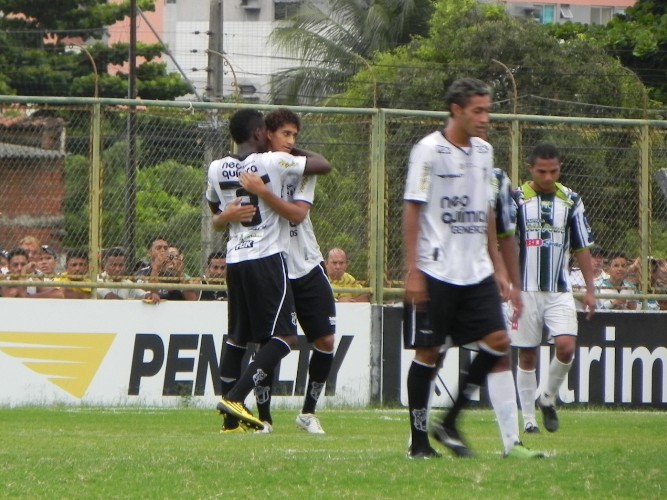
309, 423
268, 429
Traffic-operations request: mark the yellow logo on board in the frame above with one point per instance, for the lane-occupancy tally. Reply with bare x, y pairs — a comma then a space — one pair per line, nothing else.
69, 360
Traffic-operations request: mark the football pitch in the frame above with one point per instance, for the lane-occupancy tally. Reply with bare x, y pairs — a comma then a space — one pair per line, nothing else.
73, 452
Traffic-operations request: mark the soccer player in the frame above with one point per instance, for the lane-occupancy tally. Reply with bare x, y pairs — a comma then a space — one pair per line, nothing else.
451, 254
551, 221
261, 305
315, 305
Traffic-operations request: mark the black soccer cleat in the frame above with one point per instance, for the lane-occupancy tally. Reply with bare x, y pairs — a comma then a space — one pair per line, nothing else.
422, 454
549, 416
450, 438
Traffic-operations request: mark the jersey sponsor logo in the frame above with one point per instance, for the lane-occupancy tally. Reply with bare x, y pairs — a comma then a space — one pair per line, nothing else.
482, 148
443, 150
538, 242
286, 164
462, 221
232, 170
449, 176
244, 244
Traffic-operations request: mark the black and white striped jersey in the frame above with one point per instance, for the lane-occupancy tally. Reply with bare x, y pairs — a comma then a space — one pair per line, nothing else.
549, 226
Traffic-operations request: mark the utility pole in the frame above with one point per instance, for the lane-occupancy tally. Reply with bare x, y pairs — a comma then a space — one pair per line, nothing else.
131, 162
215, 66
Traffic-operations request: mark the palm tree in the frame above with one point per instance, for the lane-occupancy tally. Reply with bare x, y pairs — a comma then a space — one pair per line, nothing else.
332, 43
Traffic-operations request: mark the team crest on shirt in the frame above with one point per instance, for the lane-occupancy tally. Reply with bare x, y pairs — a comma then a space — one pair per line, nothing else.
482, 148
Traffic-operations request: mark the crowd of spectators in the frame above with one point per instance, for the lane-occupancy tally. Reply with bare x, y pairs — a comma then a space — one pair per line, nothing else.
30, 261
617, 274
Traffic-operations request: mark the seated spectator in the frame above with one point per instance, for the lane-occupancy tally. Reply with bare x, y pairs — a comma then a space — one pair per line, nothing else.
18, 262
46, 265
47, 262
34, 249
658, 283
4, 262
336, 266
617, 270
577, 281
76, 269
114, 270
158, 269
176, 265
216, 273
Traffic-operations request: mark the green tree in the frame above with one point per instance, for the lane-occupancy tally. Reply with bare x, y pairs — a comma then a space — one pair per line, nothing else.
39, 53
571, 74
331, 45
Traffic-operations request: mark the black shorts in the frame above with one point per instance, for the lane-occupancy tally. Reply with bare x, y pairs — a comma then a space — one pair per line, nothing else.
261, 304
465, 313
315, 304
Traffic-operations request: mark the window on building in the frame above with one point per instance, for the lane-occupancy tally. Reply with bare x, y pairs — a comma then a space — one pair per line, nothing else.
545, 14
565, 12
284, 9
601, 15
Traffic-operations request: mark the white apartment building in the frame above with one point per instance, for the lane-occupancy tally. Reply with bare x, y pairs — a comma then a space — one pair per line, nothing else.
238, 30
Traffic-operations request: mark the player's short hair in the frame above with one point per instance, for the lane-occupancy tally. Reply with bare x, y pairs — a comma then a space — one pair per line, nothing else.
243, 122
544, 151
218, 254
461, 91
276, 119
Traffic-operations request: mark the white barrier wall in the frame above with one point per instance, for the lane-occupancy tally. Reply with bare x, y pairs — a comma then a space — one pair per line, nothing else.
128, 352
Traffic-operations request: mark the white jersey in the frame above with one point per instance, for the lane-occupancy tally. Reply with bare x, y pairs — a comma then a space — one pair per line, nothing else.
304, 252
268, 232
455, 184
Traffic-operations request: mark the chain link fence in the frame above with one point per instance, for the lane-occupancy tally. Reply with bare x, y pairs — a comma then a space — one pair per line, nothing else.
98, 174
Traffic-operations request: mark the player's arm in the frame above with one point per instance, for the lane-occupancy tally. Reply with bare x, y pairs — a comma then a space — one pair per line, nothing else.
295, 211
586, 265
316, 164
498, 265
508, 252
415, 281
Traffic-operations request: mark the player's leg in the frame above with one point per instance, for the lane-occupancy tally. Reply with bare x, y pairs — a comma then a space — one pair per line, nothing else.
478, 317
231, 366
526, 334
268, 297
263, 391
561, 319
316, 311
419, 383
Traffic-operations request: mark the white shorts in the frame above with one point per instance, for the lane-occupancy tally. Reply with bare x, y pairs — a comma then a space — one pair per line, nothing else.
555, 311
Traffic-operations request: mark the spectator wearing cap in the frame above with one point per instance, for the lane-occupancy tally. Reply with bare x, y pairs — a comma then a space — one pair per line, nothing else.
47, 262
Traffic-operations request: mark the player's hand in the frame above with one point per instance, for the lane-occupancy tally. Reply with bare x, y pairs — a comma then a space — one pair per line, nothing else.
415, 289
505, 288
252, 183
517, 304
235, 212
590, 304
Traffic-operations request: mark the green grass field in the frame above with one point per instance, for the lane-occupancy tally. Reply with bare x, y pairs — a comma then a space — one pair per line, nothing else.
178, 453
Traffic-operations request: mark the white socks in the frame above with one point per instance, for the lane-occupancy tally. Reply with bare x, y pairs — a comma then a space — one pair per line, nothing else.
557, 373
502, 395
526, 383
